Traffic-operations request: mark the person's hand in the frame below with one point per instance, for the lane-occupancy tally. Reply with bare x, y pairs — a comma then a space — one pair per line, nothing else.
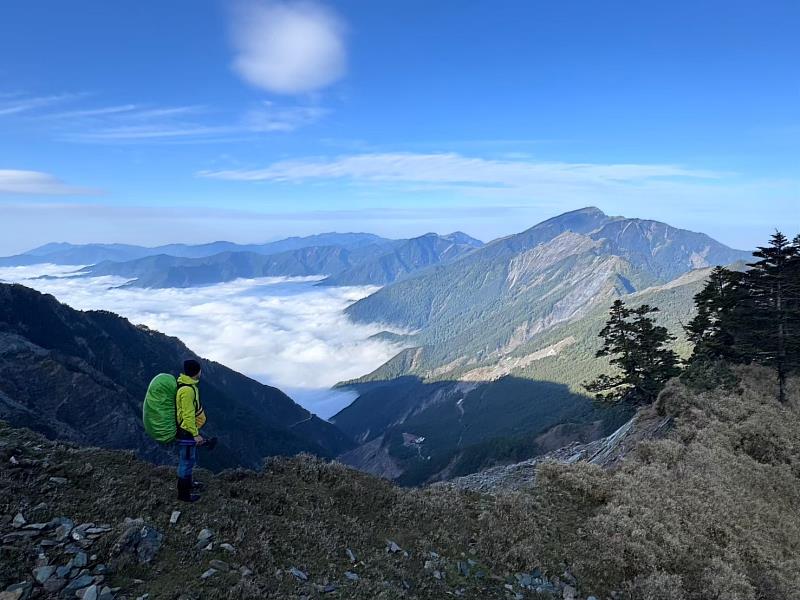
198, 439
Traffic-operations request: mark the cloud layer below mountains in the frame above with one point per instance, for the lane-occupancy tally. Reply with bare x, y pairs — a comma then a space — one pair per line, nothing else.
284, 332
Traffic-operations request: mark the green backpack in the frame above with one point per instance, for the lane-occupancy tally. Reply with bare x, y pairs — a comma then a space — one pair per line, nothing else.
158, 410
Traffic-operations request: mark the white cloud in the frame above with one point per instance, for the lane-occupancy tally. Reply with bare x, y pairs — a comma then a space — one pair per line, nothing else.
288, 47
14, 181
284, 332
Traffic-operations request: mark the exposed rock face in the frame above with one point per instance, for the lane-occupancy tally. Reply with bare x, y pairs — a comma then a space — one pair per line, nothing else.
607, 452
81, 376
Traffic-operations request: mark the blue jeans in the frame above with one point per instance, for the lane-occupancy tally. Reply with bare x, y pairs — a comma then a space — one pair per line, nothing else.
187, 458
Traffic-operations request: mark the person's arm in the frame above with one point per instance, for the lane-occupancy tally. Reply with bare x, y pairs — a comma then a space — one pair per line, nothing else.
185, 402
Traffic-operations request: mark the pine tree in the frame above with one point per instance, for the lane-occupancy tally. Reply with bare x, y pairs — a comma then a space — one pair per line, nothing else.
714, 328
770, 315
638, 347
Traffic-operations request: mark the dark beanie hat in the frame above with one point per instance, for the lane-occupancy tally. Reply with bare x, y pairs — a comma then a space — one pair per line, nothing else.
191, 367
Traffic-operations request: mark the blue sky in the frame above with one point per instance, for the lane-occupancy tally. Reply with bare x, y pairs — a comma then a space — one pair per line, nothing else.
194, 120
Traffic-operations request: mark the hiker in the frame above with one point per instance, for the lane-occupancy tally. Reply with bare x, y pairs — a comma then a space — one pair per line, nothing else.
190, 418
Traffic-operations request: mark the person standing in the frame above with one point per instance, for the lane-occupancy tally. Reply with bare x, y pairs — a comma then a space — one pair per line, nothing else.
190, 419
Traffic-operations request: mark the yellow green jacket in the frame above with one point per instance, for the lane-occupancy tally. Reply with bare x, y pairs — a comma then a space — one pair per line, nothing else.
190, 414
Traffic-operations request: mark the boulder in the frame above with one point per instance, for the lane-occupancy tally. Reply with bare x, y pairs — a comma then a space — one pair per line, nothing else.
139, 540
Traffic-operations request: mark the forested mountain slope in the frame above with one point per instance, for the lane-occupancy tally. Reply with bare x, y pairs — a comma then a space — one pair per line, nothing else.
407, 257
496, 408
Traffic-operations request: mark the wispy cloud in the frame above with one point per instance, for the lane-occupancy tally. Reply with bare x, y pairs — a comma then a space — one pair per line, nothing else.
287, 333
19, 182
288, 47
17, 103
272, 117
144, 123
451, 169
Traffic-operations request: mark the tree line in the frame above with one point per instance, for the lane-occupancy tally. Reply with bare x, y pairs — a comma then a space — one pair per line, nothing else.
743, 317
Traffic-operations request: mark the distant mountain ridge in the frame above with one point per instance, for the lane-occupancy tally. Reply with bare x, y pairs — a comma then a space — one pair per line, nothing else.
81, 376
361, 264
61, 253
406, 258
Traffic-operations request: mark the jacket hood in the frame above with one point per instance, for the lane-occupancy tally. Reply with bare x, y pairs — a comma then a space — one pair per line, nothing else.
187, 380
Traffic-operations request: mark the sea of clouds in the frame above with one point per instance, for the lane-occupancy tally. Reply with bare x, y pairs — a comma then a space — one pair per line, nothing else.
284, 332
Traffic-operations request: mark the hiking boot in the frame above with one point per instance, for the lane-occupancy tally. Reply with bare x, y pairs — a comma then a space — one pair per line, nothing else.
185, 491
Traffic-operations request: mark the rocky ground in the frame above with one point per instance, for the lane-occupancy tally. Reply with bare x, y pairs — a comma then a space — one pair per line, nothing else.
95, 524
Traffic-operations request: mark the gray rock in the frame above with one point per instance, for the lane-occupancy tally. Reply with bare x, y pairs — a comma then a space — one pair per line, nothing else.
42, 574
141, 540
91, 593
173, 518
106, 594
437, 575
64, 571
205, 536
228, 548
351, 555
298, 574
80, 560
392, 547
351, 576
463, 568
209, 573
18, 521
18, 591
245, 572
54, 585
80, 582
58, 480
64, 529
569, 592
219, 565
326, 589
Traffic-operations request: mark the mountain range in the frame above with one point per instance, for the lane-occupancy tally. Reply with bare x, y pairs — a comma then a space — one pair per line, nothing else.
364, 264
499, 338
61, 253
504, 336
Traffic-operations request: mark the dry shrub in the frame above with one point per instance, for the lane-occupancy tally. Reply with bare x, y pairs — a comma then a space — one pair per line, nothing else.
722, 582
710, 512
656, 586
